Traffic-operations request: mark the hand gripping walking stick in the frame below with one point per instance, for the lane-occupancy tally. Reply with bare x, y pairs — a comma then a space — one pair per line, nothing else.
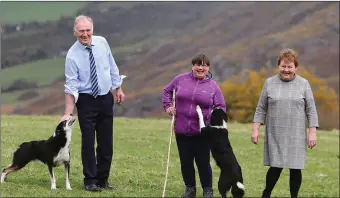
169, 149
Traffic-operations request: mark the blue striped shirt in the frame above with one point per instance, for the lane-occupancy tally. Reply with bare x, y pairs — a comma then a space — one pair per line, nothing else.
77, 68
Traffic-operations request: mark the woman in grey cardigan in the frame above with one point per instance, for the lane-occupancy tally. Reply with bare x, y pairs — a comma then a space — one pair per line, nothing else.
285, 103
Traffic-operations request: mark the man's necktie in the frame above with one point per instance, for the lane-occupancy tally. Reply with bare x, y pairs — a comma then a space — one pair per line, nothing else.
93, 77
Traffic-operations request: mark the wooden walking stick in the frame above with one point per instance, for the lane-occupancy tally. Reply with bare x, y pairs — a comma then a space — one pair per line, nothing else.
169, 149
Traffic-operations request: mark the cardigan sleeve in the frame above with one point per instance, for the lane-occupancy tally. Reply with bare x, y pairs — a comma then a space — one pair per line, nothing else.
262, 105
310, 107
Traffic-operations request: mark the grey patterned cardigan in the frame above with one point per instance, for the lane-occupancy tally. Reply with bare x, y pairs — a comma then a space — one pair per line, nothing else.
286, 108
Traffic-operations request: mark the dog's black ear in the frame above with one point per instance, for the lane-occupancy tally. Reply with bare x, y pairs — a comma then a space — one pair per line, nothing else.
61, 125
225, 117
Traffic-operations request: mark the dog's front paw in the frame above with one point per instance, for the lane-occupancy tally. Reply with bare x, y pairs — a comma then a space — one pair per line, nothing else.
68, 185
3, 177
198, 109
53, 187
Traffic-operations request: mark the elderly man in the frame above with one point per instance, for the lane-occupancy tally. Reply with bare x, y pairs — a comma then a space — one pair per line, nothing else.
91, 74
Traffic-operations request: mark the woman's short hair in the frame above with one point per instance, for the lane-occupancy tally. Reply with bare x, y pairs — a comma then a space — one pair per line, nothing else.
200, 59
289, 55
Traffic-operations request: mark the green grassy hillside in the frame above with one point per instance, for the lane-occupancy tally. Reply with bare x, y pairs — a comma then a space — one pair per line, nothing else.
20, 12
140, 155
158, 40
41, 72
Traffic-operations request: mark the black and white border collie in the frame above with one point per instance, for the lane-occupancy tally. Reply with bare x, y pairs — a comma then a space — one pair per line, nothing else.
217, 135
52, 152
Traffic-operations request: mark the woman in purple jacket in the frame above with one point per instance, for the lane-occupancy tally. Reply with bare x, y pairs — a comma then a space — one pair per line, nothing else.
193, 88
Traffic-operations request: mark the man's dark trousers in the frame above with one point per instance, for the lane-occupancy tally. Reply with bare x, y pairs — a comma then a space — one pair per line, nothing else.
95, 117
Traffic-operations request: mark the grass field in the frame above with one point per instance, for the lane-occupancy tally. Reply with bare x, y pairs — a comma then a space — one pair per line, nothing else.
140, 154
19, 12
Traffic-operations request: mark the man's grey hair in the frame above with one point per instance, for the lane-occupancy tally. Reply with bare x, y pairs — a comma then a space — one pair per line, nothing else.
82, 18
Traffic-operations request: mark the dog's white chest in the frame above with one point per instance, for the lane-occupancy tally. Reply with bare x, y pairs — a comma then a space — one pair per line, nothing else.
63, 156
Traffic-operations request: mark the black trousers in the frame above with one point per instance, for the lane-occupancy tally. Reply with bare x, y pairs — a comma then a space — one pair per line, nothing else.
95, 117
192, 148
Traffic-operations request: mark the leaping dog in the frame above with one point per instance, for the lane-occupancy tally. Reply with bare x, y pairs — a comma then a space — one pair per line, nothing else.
217, 135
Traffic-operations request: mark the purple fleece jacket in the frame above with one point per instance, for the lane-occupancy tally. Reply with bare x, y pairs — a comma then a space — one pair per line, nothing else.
191, 92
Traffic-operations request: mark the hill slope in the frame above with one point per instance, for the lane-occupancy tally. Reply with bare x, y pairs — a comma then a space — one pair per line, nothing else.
234, 35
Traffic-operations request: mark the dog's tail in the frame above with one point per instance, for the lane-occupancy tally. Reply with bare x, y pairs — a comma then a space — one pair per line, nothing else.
240, 185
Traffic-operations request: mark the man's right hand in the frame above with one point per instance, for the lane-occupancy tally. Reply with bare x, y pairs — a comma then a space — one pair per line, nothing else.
171, 110
69, 100
65, 117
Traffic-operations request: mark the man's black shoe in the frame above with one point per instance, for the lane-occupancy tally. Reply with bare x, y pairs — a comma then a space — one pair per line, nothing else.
106, 186
92, 187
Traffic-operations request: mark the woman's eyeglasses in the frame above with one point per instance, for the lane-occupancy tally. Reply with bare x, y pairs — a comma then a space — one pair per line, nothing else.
204, 66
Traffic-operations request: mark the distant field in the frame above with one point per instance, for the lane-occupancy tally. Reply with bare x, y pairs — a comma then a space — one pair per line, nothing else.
42, 72
12, 97
19, 12
139, 162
